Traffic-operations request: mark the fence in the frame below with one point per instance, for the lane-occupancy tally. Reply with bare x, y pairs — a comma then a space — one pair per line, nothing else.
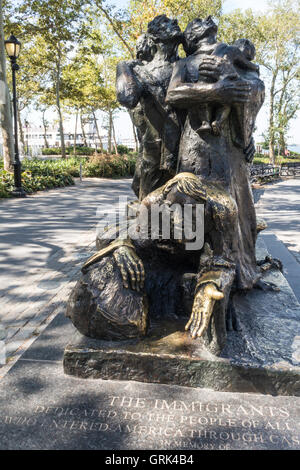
265, 171
290, 169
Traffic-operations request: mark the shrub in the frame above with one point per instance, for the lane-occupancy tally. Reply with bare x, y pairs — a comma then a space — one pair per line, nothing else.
260, 158
109, 166
51, 151
82, 151
40, 174
122, 149
69, 151
36, 175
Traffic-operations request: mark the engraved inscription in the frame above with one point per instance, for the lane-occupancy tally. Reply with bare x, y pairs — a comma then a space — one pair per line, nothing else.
160, 423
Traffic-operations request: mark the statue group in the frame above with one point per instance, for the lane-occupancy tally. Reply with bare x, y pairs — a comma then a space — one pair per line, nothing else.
194, 118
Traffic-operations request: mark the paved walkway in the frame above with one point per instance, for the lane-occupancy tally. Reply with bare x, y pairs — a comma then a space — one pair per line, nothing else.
43, 242
279, 205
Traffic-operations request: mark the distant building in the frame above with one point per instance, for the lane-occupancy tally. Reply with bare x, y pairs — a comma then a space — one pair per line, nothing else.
35, 138
35, 141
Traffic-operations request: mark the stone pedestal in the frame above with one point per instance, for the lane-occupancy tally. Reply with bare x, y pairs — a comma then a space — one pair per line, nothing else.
263, 357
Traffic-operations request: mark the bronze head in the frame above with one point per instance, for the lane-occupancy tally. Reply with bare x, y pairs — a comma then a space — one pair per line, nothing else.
164, 29
196, 31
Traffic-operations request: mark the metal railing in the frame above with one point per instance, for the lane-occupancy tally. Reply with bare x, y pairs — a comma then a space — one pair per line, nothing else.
265, 171
290, 169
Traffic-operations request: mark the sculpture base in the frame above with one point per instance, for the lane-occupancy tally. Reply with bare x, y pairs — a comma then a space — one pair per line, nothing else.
173, 358
264, 357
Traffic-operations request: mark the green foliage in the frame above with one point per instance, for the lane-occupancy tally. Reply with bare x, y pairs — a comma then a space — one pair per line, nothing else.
46, 174
127, 25
52, 151
69, 151
260, 159
275, 35
69, 166
122, 149
110, 166
36, 176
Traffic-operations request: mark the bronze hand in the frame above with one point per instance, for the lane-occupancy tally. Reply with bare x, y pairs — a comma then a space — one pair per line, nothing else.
131, 268
204, 302
216, 68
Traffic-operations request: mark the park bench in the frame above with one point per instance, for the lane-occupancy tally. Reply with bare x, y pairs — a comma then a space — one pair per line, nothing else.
267, 172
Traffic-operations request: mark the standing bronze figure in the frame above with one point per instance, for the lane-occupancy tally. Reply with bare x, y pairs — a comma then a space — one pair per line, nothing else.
195, 117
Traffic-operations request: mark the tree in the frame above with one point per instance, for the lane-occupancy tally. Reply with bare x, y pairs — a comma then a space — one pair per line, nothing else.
83, 83
55, 26
286, 106
276, 37
89, 79
143, 11
5, 106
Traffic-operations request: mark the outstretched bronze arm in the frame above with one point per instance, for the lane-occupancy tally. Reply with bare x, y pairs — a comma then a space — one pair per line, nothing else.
214, 282
203, 306
110, 248
227, 90
213, 286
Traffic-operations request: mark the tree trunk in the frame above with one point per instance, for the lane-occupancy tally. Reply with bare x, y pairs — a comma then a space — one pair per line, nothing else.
83, 131
45, 130
114, 135
109, 131
75, 133
97, 130
282, 144
5, 107
271, 121
61, 125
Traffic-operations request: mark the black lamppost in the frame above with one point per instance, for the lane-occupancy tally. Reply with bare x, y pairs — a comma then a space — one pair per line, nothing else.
12, 46
27, 137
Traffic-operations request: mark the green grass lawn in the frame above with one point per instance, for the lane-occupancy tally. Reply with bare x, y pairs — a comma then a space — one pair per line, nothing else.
260, 159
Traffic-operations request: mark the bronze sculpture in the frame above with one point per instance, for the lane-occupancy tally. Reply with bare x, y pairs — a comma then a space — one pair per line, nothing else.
195, 118
145, 83
219, 158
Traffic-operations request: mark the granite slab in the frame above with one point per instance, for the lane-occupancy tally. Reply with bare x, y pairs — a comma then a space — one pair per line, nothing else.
42, 408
